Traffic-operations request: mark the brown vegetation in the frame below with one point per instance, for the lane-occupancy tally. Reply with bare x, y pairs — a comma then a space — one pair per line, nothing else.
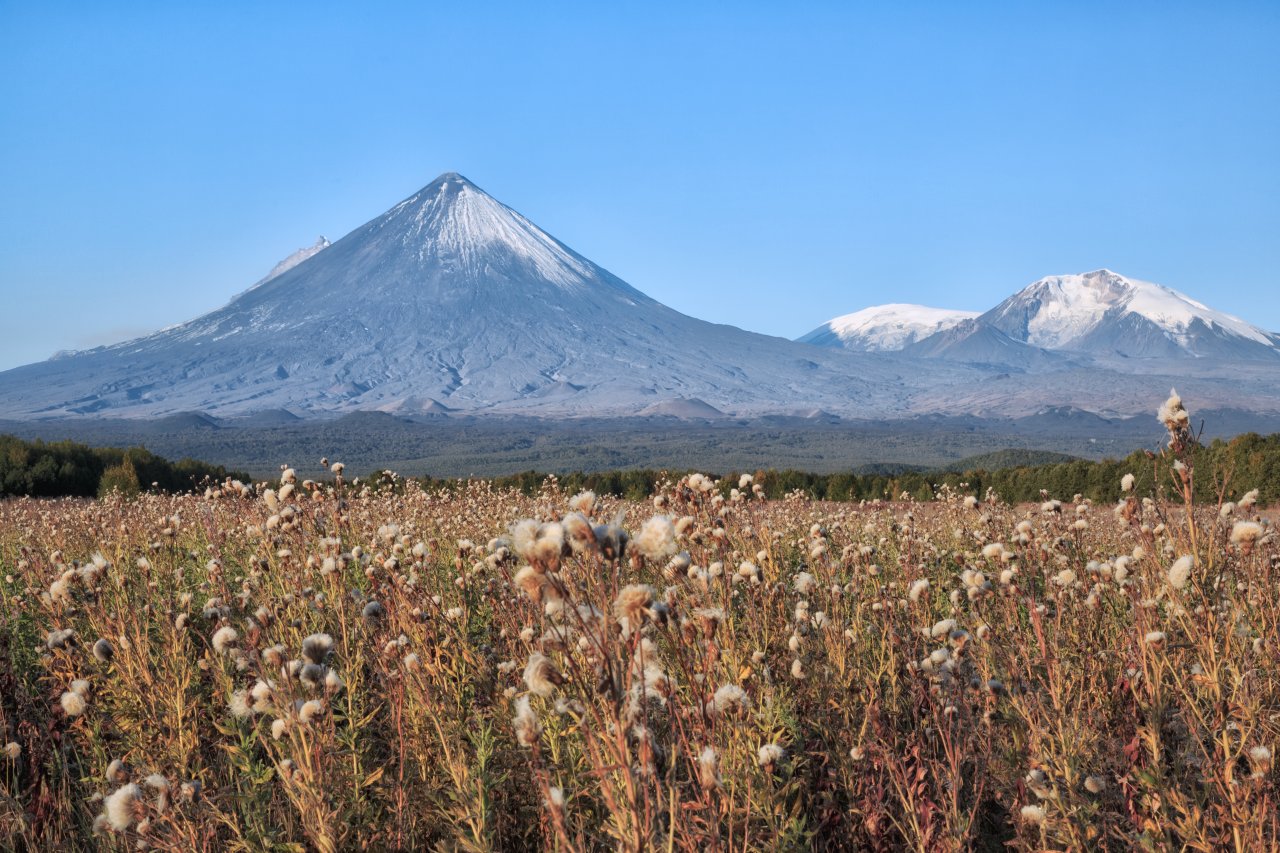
333, 667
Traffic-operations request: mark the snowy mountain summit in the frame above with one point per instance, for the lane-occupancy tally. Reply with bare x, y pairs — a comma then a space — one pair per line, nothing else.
884, 328
1107, 313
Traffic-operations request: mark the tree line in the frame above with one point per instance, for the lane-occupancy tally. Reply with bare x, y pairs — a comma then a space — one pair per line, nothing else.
1226, 469
65, 468
1223, 468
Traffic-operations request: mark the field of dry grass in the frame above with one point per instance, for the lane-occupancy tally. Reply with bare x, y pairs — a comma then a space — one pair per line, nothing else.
325, 666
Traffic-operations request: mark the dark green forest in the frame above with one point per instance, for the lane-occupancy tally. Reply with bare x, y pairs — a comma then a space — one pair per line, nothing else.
65, 468
1222, 468
1228, 468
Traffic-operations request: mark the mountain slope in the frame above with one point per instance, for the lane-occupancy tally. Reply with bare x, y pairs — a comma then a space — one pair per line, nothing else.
974, 341
884, 328
454, 298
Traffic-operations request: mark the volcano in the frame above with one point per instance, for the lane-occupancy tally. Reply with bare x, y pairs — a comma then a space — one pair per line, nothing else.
455, 299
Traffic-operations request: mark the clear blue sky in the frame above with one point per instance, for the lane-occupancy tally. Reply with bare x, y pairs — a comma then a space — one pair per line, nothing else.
751, 164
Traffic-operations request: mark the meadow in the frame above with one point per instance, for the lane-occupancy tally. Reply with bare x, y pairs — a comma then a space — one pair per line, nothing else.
324, 664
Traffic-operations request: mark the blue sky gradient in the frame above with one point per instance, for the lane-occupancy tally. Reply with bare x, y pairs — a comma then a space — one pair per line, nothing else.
743, 163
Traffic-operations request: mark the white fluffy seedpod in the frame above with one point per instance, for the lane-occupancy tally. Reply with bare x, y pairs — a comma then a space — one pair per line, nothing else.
633, 603
224, 639
310, 710
73, 703
526, 724
316, 648
942, 628
1180, 571
917, 589
239, 705
1260, 759
728, 699
657, 538
541, 675
119, 807
578, 532
709, 768
1245, 533
769, 755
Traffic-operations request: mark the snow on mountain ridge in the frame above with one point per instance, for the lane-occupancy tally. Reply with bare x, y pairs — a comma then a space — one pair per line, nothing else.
893, 326
453, 220
1069, 307
294, 259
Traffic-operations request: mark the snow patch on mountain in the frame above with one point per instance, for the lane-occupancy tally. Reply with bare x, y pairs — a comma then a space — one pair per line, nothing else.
885, 328
294, 259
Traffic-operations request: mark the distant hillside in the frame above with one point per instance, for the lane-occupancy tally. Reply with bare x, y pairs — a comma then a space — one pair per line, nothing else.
1013, 457
1237, 466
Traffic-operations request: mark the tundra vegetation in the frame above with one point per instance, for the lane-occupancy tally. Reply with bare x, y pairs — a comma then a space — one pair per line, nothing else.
337, 665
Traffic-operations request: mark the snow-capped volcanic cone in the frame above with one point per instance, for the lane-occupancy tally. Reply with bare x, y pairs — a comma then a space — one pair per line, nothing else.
1105, 313
454, 298
885, 328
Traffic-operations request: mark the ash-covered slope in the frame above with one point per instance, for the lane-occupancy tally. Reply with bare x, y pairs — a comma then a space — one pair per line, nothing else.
453, 301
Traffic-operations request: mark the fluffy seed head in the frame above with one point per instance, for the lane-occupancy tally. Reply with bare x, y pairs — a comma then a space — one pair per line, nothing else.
73, 703
527, 727
1034, 815
633, 602
316, 648
224, 639
917, 589
728, 699
1180, 571
119, 807
657, 539
770, 754
310, 710
709, 768
1246, 532
541, 675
